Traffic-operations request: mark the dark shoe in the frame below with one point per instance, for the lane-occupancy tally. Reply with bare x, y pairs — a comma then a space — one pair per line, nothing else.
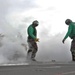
33, 59
73, 60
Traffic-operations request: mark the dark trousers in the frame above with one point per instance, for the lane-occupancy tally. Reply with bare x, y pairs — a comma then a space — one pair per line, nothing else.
73, 49
32, 48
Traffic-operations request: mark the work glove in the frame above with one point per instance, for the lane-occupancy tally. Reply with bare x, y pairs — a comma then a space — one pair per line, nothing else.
37, 40
63, 41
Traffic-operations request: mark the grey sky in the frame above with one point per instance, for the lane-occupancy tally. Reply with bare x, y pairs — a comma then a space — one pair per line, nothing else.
21, 5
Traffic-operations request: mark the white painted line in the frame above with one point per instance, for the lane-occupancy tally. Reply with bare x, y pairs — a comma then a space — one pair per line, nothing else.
50, 67
66, 73
72, 72
14, 64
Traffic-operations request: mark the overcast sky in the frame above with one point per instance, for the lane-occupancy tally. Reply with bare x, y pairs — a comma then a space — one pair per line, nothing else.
51, 14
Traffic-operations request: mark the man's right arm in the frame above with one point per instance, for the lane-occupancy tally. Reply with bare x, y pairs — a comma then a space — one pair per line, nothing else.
69, 32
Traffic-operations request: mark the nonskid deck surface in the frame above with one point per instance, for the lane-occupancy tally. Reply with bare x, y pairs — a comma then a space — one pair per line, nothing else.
38, 68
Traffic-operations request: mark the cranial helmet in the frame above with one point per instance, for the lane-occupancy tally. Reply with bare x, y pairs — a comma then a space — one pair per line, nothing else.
68, 21
35, 22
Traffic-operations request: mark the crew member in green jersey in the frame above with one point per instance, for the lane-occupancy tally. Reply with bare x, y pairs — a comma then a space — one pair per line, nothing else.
71, 33
32, 39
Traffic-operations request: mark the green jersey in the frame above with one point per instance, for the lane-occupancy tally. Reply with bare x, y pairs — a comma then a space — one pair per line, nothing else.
71, 31
32, 33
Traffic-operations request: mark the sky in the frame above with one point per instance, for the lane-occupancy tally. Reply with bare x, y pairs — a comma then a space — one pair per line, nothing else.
17, 15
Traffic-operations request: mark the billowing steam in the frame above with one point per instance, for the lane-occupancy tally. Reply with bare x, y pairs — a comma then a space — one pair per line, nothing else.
12, 49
